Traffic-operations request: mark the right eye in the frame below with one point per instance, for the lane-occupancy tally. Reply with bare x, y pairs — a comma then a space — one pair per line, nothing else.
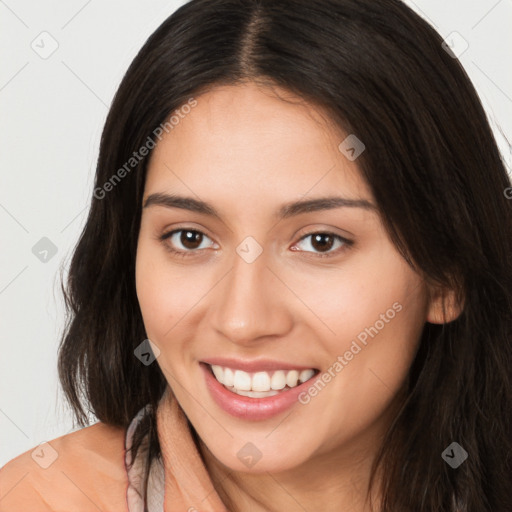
190, 240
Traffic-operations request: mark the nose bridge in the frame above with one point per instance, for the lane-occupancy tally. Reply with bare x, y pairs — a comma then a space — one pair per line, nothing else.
248, 305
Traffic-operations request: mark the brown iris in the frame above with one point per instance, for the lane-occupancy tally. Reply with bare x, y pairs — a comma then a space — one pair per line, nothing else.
191, 239
322, 241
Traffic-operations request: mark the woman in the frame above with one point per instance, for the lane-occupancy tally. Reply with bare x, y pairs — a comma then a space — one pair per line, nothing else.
293, 290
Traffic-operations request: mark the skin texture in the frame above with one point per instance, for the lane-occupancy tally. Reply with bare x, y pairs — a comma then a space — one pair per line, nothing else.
247, 153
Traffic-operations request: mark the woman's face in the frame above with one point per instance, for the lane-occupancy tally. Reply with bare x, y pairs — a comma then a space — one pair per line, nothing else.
252, 289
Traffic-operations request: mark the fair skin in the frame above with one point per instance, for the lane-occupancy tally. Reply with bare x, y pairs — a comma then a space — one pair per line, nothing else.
247, 153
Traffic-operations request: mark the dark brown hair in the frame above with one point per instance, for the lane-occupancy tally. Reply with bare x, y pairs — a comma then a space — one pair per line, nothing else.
435, 171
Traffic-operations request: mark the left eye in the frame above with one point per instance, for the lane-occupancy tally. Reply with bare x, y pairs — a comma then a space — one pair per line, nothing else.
324, 242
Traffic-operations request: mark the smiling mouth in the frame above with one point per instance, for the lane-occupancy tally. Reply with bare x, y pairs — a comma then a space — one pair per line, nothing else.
260, 384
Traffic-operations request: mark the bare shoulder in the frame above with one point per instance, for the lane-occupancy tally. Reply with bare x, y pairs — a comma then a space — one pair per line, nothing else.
81, 471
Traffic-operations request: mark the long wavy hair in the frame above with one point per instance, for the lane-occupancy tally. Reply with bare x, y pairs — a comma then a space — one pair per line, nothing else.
438, 179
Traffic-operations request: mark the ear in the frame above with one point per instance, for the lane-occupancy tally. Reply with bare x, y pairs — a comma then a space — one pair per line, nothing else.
444, 307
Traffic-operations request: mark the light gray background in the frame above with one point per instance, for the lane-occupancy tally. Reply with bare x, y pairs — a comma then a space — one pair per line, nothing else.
52, 113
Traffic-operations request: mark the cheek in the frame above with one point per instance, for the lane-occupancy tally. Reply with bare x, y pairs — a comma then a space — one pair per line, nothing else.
166, 291
376, 354
154, 292
375, 312
353, 297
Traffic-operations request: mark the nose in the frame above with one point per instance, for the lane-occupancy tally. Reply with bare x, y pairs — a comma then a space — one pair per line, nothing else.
251, 304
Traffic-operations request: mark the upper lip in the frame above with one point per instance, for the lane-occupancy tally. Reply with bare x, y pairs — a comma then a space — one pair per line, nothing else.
256, 365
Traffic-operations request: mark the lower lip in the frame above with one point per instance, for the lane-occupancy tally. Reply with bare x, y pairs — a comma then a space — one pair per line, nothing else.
247, 408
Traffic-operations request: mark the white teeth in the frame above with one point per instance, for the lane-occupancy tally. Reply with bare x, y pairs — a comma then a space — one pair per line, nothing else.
229, 377
306, 375
278, 380
260, 381
255, 394
242, 381
218, 372
291, 378
260, 384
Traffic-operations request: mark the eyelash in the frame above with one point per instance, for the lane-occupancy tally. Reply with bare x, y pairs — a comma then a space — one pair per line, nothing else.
184, 254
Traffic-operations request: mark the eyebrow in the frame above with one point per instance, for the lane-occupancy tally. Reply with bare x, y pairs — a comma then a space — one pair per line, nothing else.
287, 210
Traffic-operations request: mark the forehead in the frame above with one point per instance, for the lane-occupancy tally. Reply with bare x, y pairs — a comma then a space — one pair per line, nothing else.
243, 141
